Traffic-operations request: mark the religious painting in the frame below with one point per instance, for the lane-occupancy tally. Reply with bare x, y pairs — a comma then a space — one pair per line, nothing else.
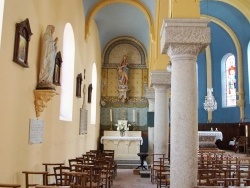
21, 46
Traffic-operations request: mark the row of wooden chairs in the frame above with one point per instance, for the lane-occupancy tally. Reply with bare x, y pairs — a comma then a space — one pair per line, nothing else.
219, 169
160, 170
92, 170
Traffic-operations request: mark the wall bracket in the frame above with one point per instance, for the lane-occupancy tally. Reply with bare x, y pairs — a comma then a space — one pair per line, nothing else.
42, 97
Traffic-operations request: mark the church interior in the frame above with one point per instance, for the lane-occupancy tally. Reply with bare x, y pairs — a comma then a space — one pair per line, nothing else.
164, 77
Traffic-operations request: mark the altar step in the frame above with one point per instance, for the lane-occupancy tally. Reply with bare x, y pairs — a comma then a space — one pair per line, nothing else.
127, 164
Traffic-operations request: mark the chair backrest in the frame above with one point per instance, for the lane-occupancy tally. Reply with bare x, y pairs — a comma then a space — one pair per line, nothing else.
51, 176
93, 174
59, 174
75, 179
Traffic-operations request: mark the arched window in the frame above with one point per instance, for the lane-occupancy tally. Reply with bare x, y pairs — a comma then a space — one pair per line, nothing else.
229, 83
1, 18
93, 98
67, 72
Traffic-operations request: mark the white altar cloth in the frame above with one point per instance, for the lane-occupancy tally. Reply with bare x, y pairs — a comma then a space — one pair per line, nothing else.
124, 138
217, 134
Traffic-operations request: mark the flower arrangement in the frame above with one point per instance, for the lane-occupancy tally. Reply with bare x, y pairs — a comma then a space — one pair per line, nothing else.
122, 127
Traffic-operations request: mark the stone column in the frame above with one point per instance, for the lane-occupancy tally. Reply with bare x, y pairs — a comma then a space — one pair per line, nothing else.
160, 80
183, 40
150, 95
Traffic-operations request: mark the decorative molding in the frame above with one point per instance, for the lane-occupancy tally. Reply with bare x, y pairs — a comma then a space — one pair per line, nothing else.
184, 36
42, 97
160, 78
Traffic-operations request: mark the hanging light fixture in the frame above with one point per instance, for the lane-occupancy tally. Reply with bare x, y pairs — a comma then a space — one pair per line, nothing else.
210, 103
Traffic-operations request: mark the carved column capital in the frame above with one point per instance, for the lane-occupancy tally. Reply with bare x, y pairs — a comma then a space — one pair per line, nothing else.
184, 36
160, 78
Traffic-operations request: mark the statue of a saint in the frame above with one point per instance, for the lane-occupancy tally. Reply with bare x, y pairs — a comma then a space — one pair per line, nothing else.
123, 71
48, 55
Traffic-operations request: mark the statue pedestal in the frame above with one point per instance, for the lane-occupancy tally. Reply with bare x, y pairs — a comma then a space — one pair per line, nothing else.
123, 90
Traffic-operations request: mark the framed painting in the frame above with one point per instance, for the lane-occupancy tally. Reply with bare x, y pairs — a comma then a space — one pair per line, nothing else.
78, 85
57, 69
21, 45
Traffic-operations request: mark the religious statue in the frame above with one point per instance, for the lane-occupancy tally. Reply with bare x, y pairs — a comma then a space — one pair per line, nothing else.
48, 55
123, 71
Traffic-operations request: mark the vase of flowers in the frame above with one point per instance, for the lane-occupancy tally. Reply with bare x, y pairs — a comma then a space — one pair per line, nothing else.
122, 127
122, 133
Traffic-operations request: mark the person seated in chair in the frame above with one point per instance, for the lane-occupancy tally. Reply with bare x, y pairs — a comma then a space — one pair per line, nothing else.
232, 143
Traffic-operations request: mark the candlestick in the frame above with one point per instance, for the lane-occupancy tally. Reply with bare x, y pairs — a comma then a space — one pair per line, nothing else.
111, 118
133, 115
246, 130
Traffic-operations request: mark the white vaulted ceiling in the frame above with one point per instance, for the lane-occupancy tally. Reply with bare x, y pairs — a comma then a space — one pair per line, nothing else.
122, 18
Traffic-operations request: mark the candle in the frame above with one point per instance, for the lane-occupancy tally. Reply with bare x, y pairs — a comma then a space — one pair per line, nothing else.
111, 118
246, 130
133, 115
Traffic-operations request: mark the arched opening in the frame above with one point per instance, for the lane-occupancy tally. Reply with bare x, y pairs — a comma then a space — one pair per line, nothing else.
66, 103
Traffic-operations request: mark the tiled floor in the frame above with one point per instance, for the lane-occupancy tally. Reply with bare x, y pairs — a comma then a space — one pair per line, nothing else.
126, 179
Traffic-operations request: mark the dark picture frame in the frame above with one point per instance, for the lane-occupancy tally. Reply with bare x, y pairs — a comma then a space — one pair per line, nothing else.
79, 85
21, 45
57, 69
90, 88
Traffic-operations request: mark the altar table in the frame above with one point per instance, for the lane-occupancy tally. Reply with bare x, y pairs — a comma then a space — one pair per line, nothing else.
208, 138
126, 148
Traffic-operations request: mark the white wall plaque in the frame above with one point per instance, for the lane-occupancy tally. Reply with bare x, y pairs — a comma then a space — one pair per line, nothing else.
36, 131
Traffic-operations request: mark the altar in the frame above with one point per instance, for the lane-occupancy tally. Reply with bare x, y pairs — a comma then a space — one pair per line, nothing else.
126, 147
208, 138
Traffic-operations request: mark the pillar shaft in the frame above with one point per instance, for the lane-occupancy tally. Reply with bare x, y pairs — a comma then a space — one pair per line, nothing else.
150, 95
183, 40
160, 80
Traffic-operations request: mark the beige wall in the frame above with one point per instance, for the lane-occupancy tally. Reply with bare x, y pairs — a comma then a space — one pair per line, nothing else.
61, 139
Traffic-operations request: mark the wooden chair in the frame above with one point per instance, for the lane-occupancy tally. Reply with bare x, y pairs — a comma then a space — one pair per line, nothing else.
32, 184
72, 162
155, 166
205, 175
225, 181
108, 155
241, 142
163, 173
51, 175
59, 172
10, 185
106, 172
75, 179
93, 175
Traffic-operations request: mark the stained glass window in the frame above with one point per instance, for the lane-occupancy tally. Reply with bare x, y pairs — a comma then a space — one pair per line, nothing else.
230, 81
